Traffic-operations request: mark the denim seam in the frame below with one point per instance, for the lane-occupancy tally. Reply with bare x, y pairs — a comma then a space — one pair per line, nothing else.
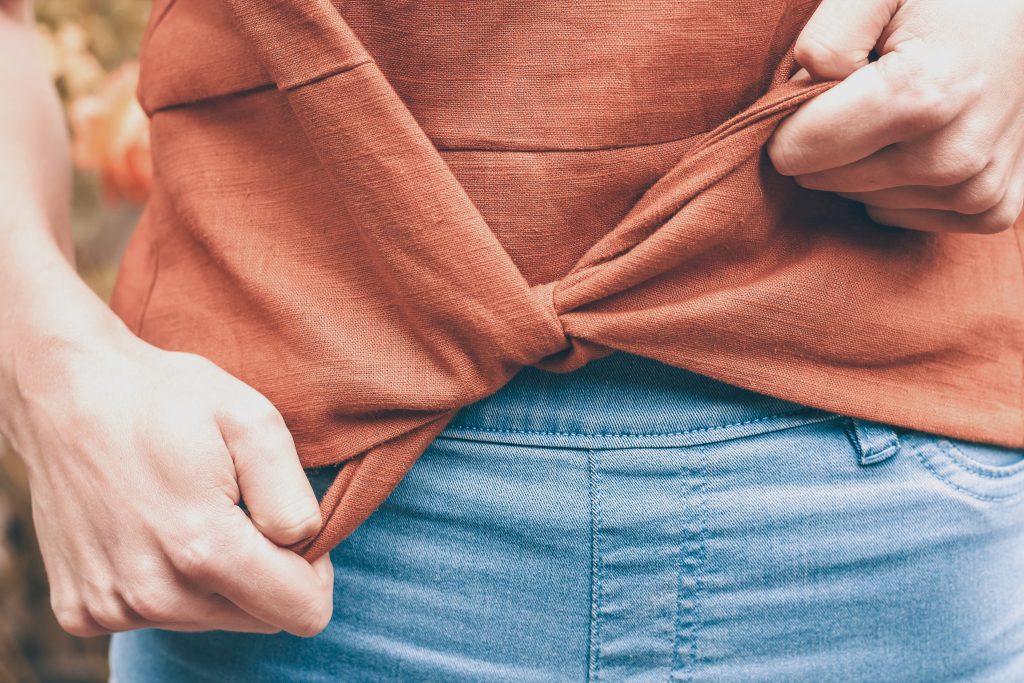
678, 616
884, 454
594, 646
963, 460
851, 433
698, 580
872, 455
807, 411
699, 555
967, 492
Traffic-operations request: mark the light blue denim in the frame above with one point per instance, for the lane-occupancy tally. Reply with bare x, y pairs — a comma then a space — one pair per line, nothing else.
630, 521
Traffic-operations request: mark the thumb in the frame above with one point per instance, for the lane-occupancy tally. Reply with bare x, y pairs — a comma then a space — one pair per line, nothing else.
272, 483
840, 36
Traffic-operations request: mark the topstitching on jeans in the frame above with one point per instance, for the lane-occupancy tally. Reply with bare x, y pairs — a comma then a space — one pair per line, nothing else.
695, 430
594, 640
690, 584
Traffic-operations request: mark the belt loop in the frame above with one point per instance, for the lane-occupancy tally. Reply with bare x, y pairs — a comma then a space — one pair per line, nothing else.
873, 441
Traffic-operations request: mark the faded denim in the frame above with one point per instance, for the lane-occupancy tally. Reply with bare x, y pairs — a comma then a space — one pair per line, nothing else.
633, 521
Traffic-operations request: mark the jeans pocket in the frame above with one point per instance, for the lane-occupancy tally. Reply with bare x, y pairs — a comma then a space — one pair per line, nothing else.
983, 471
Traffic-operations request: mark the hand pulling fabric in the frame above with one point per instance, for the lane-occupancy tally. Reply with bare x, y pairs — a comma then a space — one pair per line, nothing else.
375, 305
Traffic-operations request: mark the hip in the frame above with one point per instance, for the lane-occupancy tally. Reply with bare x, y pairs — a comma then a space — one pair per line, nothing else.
632, 520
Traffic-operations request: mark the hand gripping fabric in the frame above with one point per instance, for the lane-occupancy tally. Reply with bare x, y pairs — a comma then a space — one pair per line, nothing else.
471, 318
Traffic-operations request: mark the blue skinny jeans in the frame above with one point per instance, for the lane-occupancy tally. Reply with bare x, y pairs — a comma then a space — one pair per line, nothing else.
630, 521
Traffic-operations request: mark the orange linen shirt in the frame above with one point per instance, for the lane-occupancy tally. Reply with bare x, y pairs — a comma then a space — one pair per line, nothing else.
376, 213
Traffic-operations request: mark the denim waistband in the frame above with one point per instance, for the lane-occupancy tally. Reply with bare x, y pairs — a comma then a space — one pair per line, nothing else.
623, 400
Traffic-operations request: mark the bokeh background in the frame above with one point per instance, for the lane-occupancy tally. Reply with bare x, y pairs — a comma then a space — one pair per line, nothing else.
90, 48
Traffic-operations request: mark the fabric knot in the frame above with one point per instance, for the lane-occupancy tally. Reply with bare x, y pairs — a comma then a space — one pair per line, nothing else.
713, 268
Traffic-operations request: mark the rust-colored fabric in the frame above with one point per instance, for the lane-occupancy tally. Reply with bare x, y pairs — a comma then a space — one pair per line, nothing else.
376, 213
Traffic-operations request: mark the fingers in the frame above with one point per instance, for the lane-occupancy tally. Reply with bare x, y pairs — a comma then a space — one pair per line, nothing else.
975, 196
899, 167
835, 44
79, 623
207, 612
840, 35
159, 600
979, 206
880, 105
995, 220
273, 584
983, 201
228, 577
189, 612
273, 485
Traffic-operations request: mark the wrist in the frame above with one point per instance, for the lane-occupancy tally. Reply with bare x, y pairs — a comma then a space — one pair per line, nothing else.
50, 321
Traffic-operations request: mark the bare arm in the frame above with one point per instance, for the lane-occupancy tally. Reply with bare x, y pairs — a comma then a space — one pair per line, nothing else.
137, 457
36, 256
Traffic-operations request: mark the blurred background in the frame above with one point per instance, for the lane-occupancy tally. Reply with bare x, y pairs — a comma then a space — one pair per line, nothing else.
90, 48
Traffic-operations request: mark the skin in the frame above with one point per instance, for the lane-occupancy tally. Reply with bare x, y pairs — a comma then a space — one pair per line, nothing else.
928, 136
137, 457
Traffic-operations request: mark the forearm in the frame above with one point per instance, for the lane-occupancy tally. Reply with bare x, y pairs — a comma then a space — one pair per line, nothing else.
43, 303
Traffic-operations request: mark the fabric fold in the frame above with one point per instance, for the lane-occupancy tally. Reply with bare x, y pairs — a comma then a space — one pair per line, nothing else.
412, 307
497, 309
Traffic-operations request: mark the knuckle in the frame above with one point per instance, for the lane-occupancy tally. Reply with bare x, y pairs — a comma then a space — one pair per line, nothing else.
814, 51
186, 362
882, 216
785, 156
110, 615
1015, 200
954, 165
74, 619
315, 620
196, 557
148, 602
1000, 218
256, 414
77, 624
297, 520
962, 89
984, 192
921, 118
965, 157
923, 100
263, 414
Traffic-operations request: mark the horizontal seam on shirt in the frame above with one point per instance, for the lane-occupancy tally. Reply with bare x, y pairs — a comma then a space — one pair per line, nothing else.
182, 104
271, 86
804, 411
255, 89
570, 150
324, 76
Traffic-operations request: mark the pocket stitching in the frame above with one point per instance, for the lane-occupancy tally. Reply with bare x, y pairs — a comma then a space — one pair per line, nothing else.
981, 469
921, 453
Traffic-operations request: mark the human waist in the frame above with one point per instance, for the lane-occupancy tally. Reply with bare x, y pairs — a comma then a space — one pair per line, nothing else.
623, 400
